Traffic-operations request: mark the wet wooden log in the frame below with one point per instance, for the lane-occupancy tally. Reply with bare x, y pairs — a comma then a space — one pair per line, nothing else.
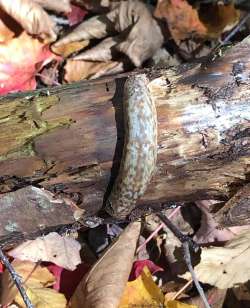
69, 139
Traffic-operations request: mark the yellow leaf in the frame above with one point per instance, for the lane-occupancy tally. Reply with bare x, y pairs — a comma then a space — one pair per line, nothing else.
35, 280
177, 304
142, 292
43, 298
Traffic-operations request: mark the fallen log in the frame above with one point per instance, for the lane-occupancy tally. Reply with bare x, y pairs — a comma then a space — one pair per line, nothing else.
236, 212
69, 139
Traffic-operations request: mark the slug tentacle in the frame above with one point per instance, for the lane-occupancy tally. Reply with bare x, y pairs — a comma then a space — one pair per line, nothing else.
140, 148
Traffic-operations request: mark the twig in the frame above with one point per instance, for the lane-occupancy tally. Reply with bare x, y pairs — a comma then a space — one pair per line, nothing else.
181, 290
157, 230
187, 259
182, 237
16, 278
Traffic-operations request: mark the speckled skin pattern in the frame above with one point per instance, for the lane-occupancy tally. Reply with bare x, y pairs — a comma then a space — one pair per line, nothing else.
140, 148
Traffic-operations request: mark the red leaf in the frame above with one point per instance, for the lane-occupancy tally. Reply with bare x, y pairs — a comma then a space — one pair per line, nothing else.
1, 267
20, 59
67, 281
139, 265
76, 15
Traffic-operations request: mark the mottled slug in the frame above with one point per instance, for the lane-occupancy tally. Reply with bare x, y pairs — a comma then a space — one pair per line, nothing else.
140, 148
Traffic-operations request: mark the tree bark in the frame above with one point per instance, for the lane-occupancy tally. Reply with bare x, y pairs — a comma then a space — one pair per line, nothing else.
69, 139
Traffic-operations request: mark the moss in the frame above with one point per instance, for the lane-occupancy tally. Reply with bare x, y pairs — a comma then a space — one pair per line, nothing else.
21, 121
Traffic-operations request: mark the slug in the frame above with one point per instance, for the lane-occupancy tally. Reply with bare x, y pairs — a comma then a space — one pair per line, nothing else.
140, 148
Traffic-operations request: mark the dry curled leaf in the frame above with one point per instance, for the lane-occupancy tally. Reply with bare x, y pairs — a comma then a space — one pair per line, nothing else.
142, 38
218, 18
63, 251
103, 286
62, 6
76, 70
182, 19
225, 267
31, 17
68, 49
36, 280
101, 52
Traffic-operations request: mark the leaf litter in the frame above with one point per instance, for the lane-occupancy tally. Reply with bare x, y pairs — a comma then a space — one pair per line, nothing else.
87, 40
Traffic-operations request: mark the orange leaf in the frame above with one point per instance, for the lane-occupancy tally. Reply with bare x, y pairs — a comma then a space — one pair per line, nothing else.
218, 18
183, 21
20, 59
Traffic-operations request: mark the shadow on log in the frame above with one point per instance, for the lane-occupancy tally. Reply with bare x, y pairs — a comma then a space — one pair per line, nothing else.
69, 138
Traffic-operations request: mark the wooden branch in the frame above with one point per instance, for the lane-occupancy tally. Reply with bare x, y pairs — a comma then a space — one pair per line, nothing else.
30, 212
236, 212
69, 139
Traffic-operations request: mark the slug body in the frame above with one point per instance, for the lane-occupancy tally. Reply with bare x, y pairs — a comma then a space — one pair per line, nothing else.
140, 148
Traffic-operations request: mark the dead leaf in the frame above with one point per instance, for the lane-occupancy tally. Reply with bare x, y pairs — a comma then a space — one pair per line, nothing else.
225, 267
177, 304
68, 49
76, 70
97, 6
31, 17
101, 52
22, 57
142, 292
103, 286
218, 18
209, 231
145, 36
5, 32
36, 280
182, 19
62, 6
142, 35
63, 251
76, 15
43, 298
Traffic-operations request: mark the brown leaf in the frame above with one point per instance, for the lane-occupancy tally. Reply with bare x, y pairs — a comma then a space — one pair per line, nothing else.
225, 267
145, 36
31, 17
62, 6
101, 52
76, 70
183, 21
68, 49
103, 286
33, 276
63, 251
139, 44
93, 28
218, 18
